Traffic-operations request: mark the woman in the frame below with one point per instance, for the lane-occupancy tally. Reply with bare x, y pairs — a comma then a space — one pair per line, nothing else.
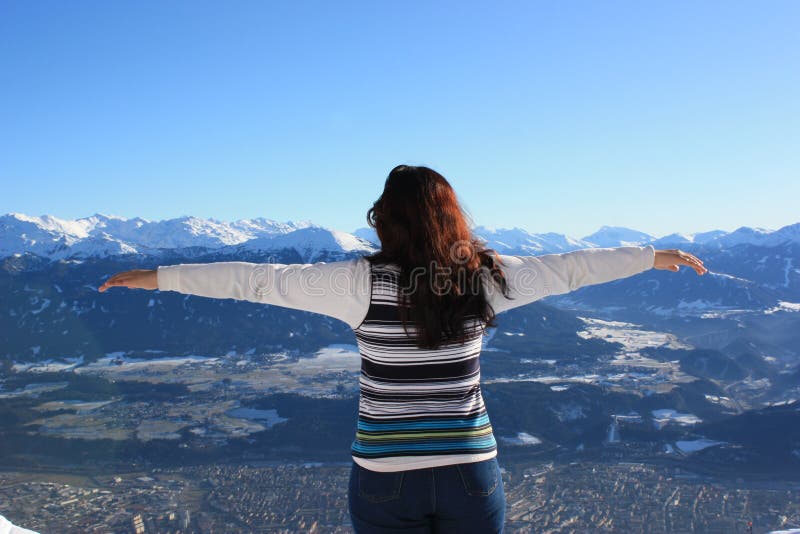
424, 455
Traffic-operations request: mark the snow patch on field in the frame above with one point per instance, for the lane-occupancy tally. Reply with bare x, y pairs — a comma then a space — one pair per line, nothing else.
122, 363
33, 390
522, 438
48, 366
630, 335
784, 306
266, 417
667, 415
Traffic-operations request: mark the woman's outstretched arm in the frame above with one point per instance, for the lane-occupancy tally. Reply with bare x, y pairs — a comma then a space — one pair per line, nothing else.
338, 289
531, 278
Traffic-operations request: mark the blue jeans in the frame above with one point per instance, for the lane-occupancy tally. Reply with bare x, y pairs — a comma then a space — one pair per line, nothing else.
460, 499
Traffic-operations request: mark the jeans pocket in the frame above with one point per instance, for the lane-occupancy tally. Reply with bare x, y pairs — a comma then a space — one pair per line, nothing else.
480, 478
376, 486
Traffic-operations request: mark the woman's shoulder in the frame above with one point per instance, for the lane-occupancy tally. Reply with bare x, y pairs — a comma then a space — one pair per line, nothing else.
379, 263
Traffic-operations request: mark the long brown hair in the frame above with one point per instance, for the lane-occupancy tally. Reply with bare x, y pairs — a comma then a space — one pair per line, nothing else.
443, 265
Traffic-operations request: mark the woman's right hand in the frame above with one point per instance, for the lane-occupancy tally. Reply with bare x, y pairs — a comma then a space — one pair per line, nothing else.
135, 279
671, 260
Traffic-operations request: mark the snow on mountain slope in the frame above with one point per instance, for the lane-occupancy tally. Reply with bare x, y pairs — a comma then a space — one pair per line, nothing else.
761, 236
674, 239
507, 240
103, 235
311, 242
368, 234
743, 235
517, 240
260, 226
617, 236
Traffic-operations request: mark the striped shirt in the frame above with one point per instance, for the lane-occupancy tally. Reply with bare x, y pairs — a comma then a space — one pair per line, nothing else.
417, 408
416, 402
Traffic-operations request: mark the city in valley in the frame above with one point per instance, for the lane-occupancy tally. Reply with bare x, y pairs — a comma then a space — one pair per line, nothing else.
153, 443
287, 498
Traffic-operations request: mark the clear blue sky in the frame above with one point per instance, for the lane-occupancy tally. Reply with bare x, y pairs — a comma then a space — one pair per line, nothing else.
551, 116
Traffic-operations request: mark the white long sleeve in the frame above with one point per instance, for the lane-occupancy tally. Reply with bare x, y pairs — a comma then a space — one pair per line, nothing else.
531, 278
342, 289
338, 289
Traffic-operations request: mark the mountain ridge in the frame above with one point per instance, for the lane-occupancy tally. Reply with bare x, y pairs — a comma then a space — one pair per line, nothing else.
108, 235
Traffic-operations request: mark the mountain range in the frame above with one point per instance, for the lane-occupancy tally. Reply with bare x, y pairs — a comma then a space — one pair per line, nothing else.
109, 235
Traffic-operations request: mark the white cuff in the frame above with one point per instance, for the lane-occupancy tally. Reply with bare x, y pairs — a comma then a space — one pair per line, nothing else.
168, 277
649, 257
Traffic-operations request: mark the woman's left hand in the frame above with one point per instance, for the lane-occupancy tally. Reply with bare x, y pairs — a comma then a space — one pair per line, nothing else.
671, 260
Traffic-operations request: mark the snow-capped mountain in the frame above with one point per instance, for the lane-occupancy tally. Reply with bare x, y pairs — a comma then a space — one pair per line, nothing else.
617, 236
743, 235
109, 235
759, 236
101, 235
519, 241
700, 238
508, 240
368, 234
310, 243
